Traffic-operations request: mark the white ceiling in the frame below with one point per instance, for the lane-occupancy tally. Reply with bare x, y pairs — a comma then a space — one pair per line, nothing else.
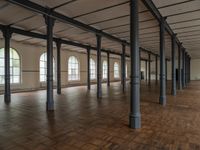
111, 16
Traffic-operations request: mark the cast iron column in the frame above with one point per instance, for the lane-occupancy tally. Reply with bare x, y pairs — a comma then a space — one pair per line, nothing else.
7, 36
173, 66
156, 69
149, 66
108, 73
88, 68
189, 69
99, 90
50, 23
135, 116
58, 45
183, 66
146, 71
162, 64
166, 70
179, 68
123, 67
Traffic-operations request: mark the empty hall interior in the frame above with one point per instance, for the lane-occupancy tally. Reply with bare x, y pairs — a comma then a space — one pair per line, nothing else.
99, 75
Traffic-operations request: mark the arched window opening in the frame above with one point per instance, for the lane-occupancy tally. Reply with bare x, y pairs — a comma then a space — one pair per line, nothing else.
73, 69
43, 68
92, 69
116, 70
105, 69
15, 67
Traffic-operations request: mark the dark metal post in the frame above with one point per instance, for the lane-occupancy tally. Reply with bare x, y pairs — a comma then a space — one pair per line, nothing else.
166, 70
58, 45
50, 23
99, 88
173, 66
108, 73
146, 71
88, 68
135, 116
186, 69
189, 69
179, 68
162, 64
183, 66
123, 67
7, 36
149, 66
156, 69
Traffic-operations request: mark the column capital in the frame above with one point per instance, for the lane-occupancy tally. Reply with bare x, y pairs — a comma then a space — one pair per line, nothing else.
7, 33
48, 19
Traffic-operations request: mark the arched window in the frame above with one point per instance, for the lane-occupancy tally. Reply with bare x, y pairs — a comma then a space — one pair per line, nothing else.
126, 71
105, 69
73, 69
15, 69
92, 69
116, 70
43, 67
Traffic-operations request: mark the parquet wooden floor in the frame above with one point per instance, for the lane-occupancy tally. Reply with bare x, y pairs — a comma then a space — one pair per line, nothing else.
81, 122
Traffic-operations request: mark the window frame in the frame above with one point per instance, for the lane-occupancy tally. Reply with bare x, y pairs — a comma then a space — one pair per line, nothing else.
93, 72
11, 67
105, 70
70, 79
116, 64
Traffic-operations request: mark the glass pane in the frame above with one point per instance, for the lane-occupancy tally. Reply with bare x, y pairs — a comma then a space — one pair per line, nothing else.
16, 79
1, 62
15, 63
16, 71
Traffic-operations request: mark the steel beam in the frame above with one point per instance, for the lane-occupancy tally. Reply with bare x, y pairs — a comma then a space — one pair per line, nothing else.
49, 23
162, 64
149, 72
99, 78
179, 67
7, 36
135, 116
88, 69
173, 53
123, 68
58, 45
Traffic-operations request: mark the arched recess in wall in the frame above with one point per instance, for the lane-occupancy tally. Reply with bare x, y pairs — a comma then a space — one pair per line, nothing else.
116, 70
92, 69
73, 69
43, 67
105, 69
15, 66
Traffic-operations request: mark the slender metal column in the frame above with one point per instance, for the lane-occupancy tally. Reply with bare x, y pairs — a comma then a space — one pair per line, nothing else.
50, 23
173, 66
162, 64
123, 68
189, 69
135, 116
166, 70
7, 36
149, 66
183, 66
179, 68
88, 68
99, 79
58, 45
156, 67
146, 71
108, 73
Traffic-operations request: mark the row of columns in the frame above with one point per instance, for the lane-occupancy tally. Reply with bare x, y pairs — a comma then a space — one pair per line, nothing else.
134, 116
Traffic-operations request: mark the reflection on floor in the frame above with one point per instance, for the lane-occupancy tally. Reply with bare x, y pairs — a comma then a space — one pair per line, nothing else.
80, 121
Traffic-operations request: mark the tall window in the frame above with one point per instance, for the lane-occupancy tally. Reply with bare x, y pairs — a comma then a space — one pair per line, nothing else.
105, 69
14, 66
116, 70
73, 69
92, 69
43, 67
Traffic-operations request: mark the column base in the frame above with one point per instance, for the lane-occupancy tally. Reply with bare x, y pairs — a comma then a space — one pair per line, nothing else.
7, 99
135, 121
50, 106
162, 100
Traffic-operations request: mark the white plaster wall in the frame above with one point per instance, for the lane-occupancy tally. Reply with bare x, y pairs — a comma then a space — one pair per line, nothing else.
30, 55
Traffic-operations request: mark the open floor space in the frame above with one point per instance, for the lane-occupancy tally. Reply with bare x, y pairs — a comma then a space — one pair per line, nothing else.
80, 121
